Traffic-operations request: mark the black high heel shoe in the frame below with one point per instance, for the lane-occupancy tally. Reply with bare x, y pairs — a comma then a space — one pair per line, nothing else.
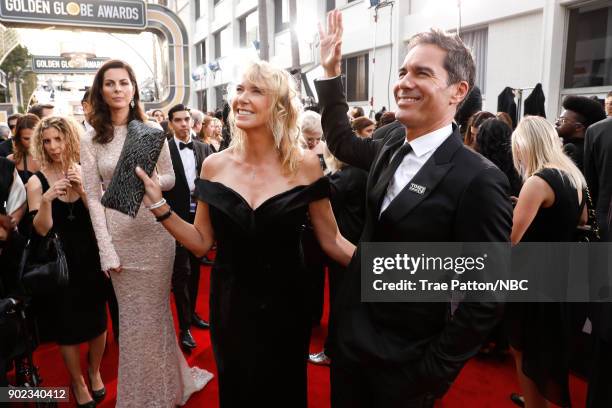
98, 395
88, 404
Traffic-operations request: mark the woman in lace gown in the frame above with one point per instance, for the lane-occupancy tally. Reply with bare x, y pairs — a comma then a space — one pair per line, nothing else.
254, 198
137, 253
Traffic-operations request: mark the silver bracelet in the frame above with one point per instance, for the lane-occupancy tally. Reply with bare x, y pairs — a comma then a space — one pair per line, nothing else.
157, 204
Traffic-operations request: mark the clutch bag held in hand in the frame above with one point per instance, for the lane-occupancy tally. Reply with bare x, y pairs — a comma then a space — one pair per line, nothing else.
142, 148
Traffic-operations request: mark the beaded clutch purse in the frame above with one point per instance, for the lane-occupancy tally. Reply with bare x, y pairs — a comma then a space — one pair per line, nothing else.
142, 147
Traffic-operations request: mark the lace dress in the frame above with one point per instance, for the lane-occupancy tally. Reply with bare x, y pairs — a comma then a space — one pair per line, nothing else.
152, 369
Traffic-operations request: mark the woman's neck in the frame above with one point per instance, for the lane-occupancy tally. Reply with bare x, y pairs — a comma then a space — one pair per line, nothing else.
120, 117
259, 145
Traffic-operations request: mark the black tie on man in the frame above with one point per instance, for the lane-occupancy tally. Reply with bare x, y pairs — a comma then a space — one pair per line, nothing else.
187, 157
405, 355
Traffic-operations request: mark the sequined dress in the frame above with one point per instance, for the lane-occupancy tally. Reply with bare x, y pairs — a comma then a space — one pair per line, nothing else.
152, 369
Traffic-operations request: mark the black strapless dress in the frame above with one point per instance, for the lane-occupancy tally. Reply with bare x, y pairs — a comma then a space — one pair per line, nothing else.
259, 306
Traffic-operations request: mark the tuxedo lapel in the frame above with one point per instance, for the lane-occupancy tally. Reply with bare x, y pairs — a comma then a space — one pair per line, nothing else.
425, 181
177, 162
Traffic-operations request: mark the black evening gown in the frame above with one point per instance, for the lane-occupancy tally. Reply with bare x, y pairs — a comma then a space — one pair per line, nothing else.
542, 331
79, 310
259, 306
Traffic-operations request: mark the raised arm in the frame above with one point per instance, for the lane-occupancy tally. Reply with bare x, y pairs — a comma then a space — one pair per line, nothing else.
93, 189
341, 140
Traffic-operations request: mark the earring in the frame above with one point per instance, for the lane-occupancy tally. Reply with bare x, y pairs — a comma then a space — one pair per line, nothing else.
132, 104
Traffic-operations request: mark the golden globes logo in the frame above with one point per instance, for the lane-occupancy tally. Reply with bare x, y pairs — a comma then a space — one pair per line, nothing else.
119, 13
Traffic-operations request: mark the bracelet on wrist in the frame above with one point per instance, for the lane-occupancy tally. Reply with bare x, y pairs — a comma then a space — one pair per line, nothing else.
157, 204
164, 216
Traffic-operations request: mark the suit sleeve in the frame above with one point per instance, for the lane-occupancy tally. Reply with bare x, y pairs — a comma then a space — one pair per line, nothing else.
590, 172
484, 215
340, 139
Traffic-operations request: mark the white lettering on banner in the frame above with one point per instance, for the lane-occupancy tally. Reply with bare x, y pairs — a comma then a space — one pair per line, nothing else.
29, 6
118, 12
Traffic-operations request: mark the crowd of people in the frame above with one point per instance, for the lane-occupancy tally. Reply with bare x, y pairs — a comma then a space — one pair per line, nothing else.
283, 194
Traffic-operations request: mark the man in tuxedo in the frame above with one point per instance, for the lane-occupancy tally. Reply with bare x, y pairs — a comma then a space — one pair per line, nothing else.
187, 156
404, 355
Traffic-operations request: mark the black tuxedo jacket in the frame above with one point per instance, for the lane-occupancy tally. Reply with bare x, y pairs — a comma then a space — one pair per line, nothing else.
465, 200
598, 174
598, 168
179, 196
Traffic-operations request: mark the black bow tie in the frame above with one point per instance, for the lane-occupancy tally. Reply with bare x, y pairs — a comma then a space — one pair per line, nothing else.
186, 145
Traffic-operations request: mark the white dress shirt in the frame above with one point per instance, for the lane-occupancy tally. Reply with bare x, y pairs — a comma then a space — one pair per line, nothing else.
189, 163
423, 148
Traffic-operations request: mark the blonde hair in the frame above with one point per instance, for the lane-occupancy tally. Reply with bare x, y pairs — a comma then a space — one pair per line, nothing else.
536, 146
70, 131
202, 135
332, 162
285, 108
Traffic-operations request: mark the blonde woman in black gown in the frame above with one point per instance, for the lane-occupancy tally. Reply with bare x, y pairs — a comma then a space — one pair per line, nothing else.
254, 199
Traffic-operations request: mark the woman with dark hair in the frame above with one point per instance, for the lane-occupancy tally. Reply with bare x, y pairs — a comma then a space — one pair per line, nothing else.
472, 127
363, 127
158, 115
137, 253
494, 141
25, 163
504, 117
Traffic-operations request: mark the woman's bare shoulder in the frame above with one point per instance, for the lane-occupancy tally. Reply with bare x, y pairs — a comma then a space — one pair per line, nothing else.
216, 162
309, 169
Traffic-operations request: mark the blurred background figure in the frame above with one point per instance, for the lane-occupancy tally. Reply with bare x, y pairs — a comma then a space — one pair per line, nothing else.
5, 133
363, 126
197, 117
159, 116
578, 114
356, 112
42, 110
469, 139
494, 141
504, 117
25, 163
471, 105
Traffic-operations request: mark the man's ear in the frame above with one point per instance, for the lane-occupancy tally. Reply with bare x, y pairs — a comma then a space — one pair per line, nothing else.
460, 92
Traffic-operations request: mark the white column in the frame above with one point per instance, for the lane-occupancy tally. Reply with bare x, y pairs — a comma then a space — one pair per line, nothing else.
553, 46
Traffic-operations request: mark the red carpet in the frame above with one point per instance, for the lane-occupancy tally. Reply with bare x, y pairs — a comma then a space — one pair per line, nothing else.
481, 384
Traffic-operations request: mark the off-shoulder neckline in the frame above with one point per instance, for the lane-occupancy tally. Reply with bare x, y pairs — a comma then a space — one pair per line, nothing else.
267, 200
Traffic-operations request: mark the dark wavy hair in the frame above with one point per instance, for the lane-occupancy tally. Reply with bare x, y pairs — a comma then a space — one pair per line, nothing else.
99, 117
494, 141
475, 120
27, 121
